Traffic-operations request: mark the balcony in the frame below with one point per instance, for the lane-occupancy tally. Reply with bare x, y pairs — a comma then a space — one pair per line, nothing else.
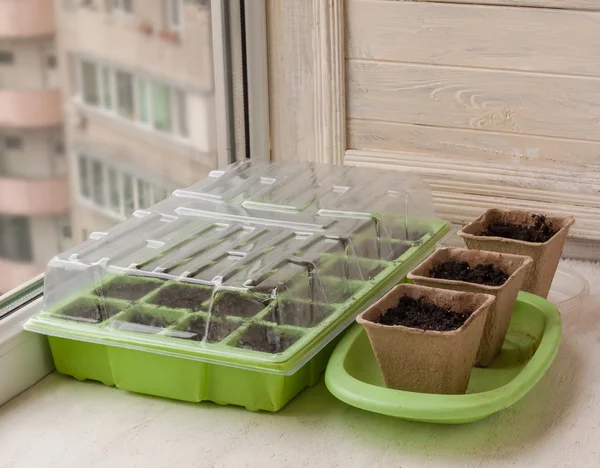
16, 273
33, 197
26, 18
30, 108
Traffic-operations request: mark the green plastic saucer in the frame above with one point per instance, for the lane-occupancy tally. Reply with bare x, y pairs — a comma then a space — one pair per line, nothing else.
531, 344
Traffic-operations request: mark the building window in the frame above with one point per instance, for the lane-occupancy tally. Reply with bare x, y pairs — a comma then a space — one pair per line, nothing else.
6, 57
13, 143
15, 242
59, 147
98, 183
151, 103
84, 176
89, 83
125, 105
114, 190
51, 61
173, 15
123, 6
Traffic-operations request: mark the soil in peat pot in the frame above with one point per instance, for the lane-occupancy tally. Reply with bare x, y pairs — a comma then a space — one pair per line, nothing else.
216, 331
485, 273
540, 231
266, 340
126, 290
422, 314
178, 296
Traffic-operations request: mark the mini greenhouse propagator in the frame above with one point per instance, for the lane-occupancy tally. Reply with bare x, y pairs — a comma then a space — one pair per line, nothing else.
256, 268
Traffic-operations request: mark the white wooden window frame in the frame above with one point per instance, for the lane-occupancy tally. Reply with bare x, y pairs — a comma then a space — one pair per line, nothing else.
307, 80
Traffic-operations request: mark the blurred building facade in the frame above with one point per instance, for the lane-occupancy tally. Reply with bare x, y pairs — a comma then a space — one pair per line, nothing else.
137, 81
106, 106
34, 191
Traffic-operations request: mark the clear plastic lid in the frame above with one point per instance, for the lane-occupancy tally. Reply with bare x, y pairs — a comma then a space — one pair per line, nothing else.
257, 266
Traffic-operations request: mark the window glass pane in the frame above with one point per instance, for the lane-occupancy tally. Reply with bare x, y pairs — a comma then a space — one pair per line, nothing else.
84, 177
181, 109
174, 13
161, 107
98, 183
89, 82
128, 195
15, 242
114, 190
142, 100
125, 94
143, 194
107, 90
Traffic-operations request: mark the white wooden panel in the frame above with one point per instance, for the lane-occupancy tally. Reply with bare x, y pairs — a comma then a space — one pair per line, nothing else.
502, 101
566, 4
528, 39
463, 189
502, 148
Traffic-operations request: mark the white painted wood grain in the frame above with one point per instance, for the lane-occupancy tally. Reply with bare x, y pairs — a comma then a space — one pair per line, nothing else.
562, 4
291, 66
514, 102
463, 188
576, 156
528, 39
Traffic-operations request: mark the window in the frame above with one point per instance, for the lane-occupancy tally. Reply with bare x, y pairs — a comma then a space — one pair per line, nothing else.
123, 6
181, 109
15, 241
51, 61
59, 147
125, 106
173, 15
6, 57
115, 191
98, 183
13, 143
107, 88
151, 103
89, 83
84, 177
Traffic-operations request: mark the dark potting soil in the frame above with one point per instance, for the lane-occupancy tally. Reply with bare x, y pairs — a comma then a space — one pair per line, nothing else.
94, 312
216, 331
178, 296
539, 231
422, 314
126, 290
484, 273
237, 306
265, 339
150, 320
299, 314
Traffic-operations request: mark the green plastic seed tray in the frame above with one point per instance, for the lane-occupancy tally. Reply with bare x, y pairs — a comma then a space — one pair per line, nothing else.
235, 289
531, 344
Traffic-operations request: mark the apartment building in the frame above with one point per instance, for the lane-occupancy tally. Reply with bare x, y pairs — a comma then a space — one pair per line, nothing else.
34, 190
137, 79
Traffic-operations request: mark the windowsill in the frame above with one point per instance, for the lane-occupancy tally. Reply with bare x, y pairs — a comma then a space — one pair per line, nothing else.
136, 127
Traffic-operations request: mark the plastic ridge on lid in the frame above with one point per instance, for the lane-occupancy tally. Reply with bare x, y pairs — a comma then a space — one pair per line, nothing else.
258, 266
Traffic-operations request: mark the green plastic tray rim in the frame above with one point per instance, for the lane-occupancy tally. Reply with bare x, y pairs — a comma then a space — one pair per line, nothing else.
285, 363
449, 409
